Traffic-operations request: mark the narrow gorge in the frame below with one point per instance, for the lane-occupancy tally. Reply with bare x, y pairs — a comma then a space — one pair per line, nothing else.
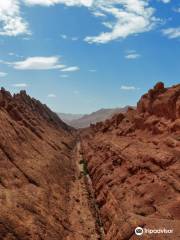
96, 183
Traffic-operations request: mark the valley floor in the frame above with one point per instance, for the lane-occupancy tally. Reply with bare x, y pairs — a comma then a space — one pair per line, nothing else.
83, 216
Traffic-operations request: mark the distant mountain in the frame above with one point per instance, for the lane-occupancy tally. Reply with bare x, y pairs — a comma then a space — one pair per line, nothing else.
98, 116
68, 117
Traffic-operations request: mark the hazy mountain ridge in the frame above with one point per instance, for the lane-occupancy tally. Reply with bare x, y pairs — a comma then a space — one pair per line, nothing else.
69, 117
85, 120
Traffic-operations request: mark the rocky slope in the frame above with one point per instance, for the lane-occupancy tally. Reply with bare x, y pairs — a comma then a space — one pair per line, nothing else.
96, 184
134, 163
36, 170
98, 116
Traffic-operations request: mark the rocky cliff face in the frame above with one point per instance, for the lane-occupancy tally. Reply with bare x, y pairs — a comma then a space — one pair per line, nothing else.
123, 173
134, 163
36, 170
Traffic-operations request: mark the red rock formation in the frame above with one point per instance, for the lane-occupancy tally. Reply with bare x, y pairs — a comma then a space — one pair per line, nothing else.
36, 170
133, 160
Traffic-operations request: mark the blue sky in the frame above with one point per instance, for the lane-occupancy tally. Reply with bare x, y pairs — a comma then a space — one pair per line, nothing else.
78, 56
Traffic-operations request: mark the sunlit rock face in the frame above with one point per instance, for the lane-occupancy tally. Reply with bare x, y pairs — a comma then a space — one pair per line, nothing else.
133, 160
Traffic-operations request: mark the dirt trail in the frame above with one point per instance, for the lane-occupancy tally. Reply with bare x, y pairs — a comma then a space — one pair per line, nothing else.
82, 213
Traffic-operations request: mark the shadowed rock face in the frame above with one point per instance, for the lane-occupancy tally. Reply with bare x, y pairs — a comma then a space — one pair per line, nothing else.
134, 162
36, 170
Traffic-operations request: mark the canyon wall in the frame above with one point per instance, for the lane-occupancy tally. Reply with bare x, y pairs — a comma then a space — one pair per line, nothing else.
134, 163
101, 182
36, 170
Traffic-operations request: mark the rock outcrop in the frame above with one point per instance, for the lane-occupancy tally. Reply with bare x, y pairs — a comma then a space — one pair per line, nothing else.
36, 170
134, 163
124, 173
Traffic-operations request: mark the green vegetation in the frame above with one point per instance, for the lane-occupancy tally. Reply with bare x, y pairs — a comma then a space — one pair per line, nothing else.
85, 166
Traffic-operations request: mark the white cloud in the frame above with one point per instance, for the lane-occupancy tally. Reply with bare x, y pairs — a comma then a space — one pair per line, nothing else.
99, 14
165, 1
20, 85
130, 17
12, 24
41, 63
15, 55
123, 17
108, 25
3, 74
38, 63
65, 37
11, 21
172, 32
51, 95
70, 69
128, 88
132, 56
86, 3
